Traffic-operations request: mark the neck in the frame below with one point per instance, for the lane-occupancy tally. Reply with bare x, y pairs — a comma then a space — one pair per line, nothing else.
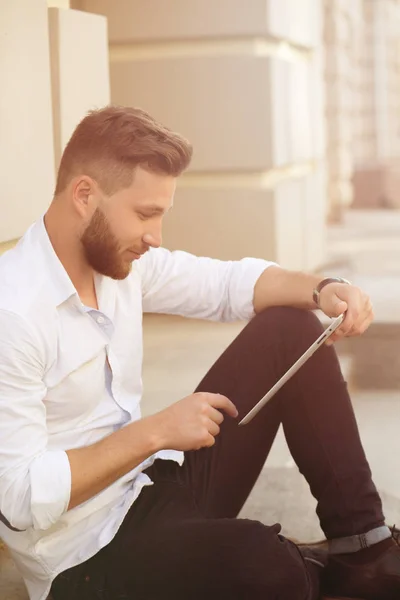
68, 248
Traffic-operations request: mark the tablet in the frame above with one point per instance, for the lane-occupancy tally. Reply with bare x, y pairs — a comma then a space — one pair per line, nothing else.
293, 369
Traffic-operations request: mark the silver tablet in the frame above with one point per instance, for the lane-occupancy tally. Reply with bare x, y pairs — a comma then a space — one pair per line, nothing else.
299, 363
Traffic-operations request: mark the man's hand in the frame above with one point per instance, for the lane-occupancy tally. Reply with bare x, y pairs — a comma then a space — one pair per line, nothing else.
194, 422
338, 298
189, 424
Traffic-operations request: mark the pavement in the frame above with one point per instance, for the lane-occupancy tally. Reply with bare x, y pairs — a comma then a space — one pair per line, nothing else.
178, 352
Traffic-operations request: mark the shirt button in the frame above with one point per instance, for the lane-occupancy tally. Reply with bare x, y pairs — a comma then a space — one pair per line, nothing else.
100, 320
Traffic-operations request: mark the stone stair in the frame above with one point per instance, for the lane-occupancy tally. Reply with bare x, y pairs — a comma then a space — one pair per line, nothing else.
366, 250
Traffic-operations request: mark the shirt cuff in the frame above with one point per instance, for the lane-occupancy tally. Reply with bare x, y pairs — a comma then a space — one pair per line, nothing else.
50, 476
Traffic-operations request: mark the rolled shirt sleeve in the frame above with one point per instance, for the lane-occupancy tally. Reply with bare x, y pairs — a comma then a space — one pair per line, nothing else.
35, 482
183, 284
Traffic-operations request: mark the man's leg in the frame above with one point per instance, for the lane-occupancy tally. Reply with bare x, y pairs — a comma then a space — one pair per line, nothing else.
317, 416
167, 549
323, 437
181, 552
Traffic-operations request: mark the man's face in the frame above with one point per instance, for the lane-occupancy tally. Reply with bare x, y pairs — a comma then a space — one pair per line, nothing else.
126, 224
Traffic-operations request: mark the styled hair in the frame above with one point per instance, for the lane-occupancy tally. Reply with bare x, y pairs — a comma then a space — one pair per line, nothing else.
110, 142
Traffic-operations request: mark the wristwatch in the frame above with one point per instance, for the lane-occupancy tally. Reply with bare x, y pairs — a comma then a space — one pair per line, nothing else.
323, 283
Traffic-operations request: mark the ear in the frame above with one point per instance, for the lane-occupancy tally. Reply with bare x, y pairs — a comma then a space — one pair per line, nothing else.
85, 196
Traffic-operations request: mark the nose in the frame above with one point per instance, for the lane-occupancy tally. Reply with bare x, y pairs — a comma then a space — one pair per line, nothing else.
154, 239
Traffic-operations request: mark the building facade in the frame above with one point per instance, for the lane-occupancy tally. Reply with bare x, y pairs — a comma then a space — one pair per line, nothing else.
291, 106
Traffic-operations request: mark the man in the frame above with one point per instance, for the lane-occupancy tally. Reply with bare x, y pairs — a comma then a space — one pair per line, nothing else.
97, 502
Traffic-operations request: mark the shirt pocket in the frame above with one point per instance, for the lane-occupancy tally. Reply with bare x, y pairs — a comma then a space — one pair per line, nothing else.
71, 399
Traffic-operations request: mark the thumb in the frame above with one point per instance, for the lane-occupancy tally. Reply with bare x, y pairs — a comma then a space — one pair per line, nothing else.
339, 306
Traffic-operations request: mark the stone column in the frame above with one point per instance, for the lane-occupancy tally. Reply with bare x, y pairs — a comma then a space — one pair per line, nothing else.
377, 168
26, 132
365, 148
79, 69
386, 47
342, 30
53, 68
243, 82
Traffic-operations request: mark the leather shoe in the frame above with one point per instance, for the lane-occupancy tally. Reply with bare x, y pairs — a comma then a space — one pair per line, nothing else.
378, 579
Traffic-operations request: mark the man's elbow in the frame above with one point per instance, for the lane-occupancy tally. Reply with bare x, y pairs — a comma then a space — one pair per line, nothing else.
35, 496
21, 519
16, 520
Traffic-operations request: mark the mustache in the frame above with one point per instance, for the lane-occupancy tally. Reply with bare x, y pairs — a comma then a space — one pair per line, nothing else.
139, 251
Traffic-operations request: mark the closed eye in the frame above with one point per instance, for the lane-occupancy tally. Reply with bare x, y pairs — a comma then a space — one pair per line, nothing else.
144, 217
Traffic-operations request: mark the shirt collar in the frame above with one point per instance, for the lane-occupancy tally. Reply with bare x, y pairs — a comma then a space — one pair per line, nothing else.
60, 285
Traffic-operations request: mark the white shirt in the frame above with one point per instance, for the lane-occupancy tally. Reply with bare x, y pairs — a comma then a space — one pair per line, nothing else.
56, 393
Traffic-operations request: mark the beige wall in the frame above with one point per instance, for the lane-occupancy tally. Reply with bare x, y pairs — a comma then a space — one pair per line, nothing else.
243, 83
79, 69
36, 102
26, 138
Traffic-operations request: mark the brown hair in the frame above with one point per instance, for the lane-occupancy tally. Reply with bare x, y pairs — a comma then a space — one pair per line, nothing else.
109, 143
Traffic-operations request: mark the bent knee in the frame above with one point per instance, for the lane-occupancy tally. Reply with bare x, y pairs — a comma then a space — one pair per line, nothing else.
284, 321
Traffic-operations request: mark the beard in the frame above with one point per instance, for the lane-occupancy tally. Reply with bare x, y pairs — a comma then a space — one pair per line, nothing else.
102, 250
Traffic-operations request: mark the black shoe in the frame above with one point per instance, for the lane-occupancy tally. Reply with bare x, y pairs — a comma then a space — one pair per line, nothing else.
378, 579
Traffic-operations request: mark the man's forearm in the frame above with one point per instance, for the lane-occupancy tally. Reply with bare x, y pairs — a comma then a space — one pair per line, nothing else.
95, 467
279, 287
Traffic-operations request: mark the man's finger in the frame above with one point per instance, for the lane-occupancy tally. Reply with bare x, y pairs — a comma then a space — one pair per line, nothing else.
362, 325
364, 314
340, 307
210, 441
223, 403
348, 322
334, 338
213, 428
216, 415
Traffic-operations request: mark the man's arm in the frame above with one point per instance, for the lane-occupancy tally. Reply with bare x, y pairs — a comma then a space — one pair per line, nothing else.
184, 284
279, 287
190, 424
180, 283
95, 467
38, 485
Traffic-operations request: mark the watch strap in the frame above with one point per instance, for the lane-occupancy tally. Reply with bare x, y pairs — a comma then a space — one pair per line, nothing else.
325, 282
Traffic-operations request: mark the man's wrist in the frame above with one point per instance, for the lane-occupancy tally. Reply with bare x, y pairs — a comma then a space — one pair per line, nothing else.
323, 283
155, 433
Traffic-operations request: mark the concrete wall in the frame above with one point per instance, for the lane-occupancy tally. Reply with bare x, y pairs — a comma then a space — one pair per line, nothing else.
243, 82
54, 66
26, 139
79, 68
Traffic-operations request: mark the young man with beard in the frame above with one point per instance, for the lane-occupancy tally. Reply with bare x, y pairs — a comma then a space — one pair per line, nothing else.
99, 503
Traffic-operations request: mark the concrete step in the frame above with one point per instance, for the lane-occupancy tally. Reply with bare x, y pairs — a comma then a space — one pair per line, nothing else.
366, 250
374, 358
11, 585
